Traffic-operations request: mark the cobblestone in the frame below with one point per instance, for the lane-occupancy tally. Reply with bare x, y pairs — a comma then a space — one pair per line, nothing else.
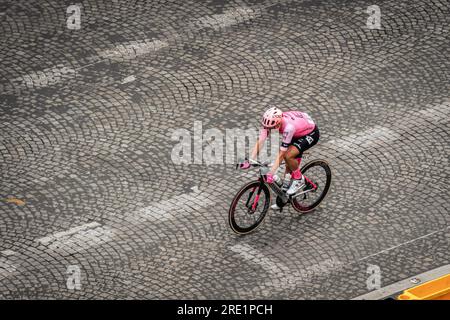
85, 144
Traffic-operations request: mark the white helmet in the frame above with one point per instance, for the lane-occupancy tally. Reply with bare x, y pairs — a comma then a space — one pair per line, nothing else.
271, 118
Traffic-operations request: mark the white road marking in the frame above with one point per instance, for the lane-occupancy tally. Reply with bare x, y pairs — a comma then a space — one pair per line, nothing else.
6, 268
49, 239
365, 139
78, 238
133, 49
172, 208
128, 79
294, 278
92, 234
7, 253
253, 255
45, 78
436, 112
280, 276
228, 18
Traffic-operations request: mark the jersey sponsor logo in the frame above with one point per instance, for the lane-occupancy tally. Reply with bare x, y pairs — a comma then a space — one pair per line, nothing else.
298, 145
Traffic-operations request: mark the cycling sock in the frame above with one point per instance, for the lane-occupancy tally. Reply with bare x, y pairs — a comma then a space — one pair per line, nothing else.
296, 175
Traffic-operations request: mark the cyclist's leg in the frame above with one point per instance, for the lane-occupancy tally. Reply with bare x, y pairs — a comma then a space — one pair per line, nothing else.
298, 158
301, 144
296, 149
306, 143
290, 158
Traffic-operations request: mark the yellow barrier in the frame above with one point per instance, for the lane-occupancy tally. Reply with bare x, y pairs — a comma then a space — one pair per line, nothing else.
437, 289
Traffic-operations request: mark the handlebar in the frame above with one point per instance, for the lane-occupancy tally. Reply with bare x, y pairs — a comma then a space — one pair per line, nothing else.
265, 164
255, 163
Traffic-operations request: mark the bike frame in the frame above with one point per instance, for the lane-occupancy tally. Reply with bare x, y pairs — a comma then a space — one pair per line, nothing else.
252, 190
277, 190
273, 186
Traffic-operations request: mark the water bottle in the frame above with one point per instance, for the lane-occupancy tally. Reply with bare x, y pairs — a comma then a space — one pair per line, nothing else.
277, 180
287, 182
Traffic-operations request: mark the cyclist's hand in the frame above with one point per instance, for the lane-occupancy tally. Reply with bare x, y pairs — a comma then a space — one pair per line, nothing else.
269, 177
245, 164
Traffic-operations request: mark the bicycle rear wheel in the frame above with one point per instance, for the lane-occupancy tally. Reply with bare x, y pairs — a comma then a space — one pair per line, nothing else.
249, 207
320, 173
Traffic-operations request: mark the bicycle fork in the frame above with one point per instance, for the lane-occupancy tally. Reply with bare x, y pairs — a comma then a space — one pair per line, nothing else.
256, 200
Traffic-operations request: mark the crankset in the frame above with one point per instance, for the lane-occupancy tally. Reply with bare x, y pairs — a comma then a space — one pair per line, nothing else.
280, 203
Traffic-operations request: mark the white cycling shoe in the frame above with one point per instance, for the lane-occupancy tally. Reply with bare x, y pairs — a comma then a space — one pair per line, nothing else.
296, 186
275, 207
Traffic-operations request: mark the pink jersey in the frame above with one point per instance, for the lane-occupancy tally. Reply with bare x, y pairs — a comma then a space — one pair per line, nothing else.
294, 124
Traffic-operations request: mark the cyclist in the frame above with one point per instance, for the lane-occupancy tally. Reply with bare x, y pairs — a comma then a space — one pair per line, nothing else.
299, 133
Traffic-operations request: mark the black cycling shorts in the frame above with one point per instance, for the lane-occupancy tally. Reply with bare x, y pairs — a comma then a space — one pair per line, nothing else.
306, 142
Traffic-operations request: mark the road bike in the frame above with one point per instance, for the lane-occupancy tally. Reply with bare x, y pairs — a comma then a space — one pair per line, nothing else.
250, 205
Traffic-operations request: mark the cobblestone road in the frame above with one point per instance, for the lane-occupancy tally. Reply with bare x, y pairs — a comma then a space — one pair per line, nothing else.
87, 181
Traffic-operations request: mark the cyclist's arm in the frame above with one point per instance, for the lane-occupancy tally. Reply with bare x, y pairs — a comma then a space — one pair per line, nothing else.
259, 144
287, 139
278, 161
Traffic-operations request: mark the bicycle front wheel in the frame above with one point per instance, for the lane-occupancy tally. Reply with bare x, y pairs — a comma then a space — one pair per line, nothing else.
249, 207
